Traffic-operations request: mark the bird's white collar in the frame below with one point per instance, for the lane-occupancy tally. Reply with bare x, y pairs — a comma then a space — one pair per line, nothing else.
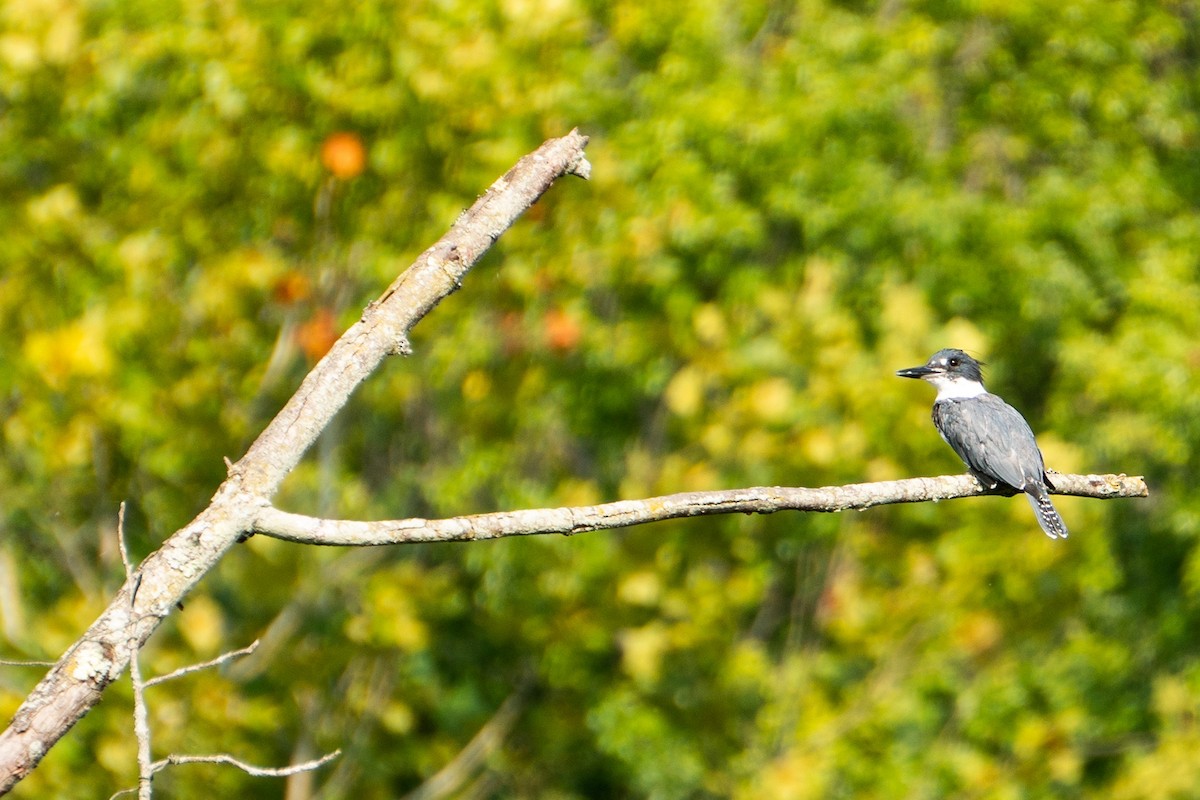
956, 388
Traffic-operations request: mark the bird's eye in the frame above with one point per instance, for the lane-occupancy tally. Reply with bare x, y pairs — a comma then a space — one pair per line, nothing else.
954, 362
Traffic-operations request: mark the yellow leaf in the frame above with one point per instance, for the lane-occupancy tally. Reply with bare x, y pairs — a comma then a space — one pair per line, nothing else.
642, 651
685, 392
78, 350
640, 588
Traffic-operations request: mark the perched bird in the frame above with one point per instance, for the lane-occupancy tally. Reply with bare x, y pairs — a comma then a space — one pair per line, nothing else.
988, 434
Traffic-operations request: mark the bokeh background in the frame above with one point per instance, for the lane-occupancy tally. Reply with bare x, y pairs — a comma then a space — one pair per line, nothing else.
790, 201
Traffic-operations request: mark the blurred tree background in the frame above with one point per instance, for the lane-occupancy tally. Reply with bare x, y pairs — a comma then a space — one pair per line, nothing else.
790, 201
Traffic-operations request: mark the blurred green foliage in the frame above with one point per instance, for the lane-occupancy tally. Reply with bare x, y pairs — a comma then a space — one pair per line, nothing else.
790, 201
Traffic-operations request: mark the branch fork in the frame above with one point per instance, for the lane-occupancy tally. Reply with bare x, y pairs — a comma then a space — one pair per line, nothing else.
77, 681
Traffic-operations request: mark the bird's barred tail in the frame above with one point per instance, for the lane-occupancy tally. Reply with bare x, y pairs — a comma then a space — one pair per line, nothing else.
1047, 515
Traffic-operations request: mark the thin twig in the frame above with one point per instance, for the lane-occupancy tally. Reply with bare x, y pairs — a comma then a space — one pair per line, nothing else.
216, 662
148, 769
249, 769
121, 541
222, 758
141, 728
141, 714
623, 513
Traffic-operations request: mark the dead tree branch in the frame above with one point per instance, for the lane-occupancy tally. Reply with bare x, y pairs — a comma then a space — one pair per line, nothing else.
147, 769
216, 662
623, 513
76, 682
249, 769
141, 711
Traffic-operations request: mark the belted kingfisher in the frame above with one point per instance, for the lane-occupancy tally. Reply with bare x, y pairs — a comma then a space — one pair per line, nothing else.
988, 434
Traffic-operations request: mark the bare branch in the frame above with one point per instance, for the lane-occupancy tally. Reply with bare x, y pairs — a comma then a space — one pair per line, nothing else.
623, 513
141, 728
76, 682
216, 662
141, 714
147, 769
249, 769
121, 541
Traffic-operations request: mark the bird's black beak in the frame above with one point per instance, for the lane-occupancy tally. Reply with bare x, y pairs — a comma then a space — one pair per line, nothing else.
915, 372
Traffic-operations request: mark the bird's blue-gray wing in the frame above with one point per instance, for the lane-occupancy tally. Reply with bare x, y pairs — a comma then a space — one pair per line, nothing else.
992, 438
